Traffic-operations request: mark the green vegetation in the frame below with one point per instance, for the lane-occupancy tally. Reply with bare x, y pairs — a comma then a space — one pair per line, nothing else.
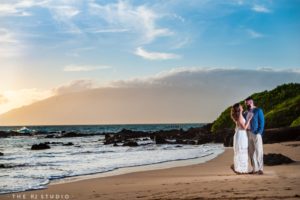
280, 105
296, 122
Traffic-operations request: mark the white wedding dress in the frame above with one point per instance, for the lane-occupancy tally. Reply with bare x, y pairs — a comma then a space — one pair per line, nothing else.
240, 146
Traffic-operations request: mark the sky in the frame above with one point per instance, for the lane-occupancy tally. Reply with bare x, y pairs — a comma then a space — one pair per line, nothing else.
48, 47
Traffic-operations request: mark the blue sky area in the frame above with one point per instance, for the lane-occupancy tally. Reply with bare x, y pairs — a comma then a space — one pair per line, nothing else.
45, 44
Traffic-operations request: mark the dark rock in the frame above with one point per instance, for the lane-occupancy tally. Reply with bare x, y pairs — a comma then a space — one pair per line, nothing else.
68, 144
191, 136
180, 141
1, 154
50, 136
160, 140
55, 143
40, 146
75, 134
281, 134
293, 145
4, 134
3, 166
131, 144
200, 135
270, 136
116, 145
276, 159
71, 134
224, 136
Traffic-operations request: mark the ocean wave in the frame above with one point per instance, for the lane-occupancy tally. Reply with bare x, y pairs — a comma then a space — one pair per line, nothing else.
40, 167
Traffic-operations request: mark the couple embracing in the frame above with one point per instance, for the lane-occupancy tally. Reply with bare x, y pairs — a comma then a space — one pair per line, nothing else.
247, 141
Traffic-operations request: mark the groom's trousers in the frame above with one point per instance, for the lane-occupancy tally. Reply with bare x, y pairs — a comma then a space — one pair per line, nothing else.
255, 150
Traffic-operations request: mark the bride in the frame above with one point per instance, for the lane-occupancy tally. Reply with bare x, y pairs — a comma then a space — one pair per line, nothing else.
240, 140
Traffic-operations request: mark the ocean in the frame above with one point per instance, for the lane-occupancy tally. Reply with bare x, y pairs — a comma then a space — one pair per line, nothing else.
26, 169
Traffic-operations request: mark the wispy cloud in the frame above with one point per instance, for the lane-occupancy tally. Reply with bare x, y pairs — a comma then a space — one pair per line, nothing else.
260, 9
214, 78
76, 52
3, 99
254, 34
20, 7
74, 86
7, 37
10, 46
83, 68
110, 30
64, 13
155, 55
138, 19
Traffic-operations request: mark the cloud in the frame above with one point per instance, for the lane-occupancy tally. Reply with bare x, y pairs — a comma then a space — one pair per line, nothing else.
254, 34
74, 86
83, 68
15, 9
6, 37
215, 79
10, 46
260, 9
111, 30
20, 7
64, 13
3, 99
155, 55
178, 95
138, 19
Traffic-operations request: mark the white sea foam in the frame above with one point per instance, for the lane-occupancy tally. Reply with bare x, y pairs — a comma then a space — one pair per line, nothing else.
34, 169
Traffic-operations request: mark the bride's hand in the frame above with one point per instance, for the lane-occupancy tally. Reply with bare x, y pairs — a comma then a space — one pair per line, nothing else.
250, 117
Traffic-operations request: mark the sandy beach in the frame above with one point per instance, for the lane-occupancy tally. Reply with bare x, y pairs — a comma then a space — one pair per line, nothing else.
211, 180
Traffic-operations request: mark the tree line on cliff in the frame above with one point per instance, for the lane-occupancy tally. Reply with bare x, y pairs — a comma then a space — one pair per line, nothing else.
281, 107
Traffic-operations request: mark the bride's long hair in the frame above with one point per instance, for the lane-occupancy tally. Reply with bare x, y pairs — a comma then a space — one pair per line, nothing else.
235, 112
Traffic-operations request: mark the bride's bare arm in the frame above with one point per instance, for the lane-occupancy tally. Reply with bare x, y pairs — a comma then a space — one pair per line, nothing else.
240, 122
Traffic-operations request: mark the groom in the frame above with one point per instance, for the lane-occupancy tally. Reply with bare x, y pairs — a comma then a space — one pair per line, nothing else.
255, 132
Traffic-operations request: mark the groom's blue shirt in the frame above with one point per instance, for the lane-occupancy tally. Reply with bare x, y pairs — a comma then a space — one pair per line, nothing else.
257, 123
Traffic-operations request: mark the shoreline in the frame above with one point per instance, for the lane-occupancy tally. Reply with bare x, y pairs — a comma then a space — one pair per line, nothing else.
210, 180
141, 168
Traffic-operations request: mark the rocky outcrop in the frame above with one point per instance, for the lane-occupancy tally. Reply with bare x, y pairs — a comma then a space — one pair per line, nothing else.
281, 134
270, 135
4, 166
225, 136
200, 135
131, 143
40, 146
72, 134
4, 134
62, 134
68, 144
276, 159
191, 136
